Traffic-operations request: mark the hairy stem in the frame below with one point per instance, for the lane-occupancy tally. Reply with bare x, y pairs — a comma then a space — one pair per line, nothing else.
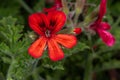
9, 73
89, 67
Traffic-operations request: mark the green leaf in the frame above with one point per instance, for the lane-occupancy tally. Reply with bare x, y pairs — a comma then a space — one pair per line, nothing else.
9, 8
47, 63
79, 47
13, 49
1, 76
5, 50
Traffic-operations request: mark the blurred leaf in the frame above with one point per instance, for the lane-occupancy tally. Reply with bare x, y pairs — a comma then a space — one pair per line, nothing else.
15, 45
113, 64
79, 47
53, 65
1, 76
8, 8
39, 6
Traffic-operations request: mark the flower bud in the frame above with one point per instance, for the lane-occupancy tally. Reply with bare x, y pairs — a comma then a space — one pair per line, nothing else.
77, 30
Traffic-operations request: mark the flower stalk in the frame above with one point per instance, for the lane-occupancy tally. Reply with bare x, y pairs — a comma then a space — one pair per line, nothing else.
89, 66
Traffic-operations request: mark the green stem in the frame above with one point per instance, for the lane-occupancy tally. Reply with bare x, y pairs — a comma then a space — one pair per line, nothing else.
9, 73
89, 67
26, 7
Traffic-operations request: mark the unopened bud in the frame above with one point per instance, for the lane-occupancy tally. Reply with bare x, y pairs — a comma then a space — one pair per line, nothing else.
77, 30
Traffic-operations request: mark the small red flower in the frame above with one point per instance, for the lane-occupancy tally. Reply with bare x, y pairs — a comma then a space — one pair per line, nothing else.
47, 27
56, 6
102, 27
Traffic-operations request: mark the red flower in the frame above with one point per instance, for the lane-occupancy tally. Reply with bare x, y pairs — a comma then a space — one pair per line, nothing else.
102, 27
47, 27
56, 6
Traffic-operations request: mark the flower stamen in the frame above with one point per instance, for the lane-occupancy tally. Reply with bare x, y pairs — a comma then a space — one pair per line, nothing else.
47, 33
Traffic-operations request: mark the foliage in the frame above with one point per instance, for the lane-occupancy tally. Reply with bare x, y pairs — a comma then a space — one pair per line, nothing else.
89, 53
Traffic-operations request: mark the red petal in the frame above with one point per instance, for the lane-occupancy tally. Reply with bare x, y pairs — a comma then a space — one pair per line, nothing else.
104, 26
57, 20
102, 10
38, 22
37, 48
107, 38
50, 9
66, 40
58, 3
55, 52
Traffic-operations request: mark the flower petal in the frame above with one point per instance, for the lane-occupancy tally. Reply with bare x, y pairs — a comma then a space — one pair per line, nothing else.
37, 48
107, 37
102, 10
58, 3
55, 52
38, 22
104, 25
49, 9
66, 40
57, 20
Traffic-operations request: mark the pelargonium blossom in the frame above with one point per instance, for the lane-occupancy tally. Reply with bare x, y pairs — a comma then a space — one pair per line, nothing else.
102, 27
47, 26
